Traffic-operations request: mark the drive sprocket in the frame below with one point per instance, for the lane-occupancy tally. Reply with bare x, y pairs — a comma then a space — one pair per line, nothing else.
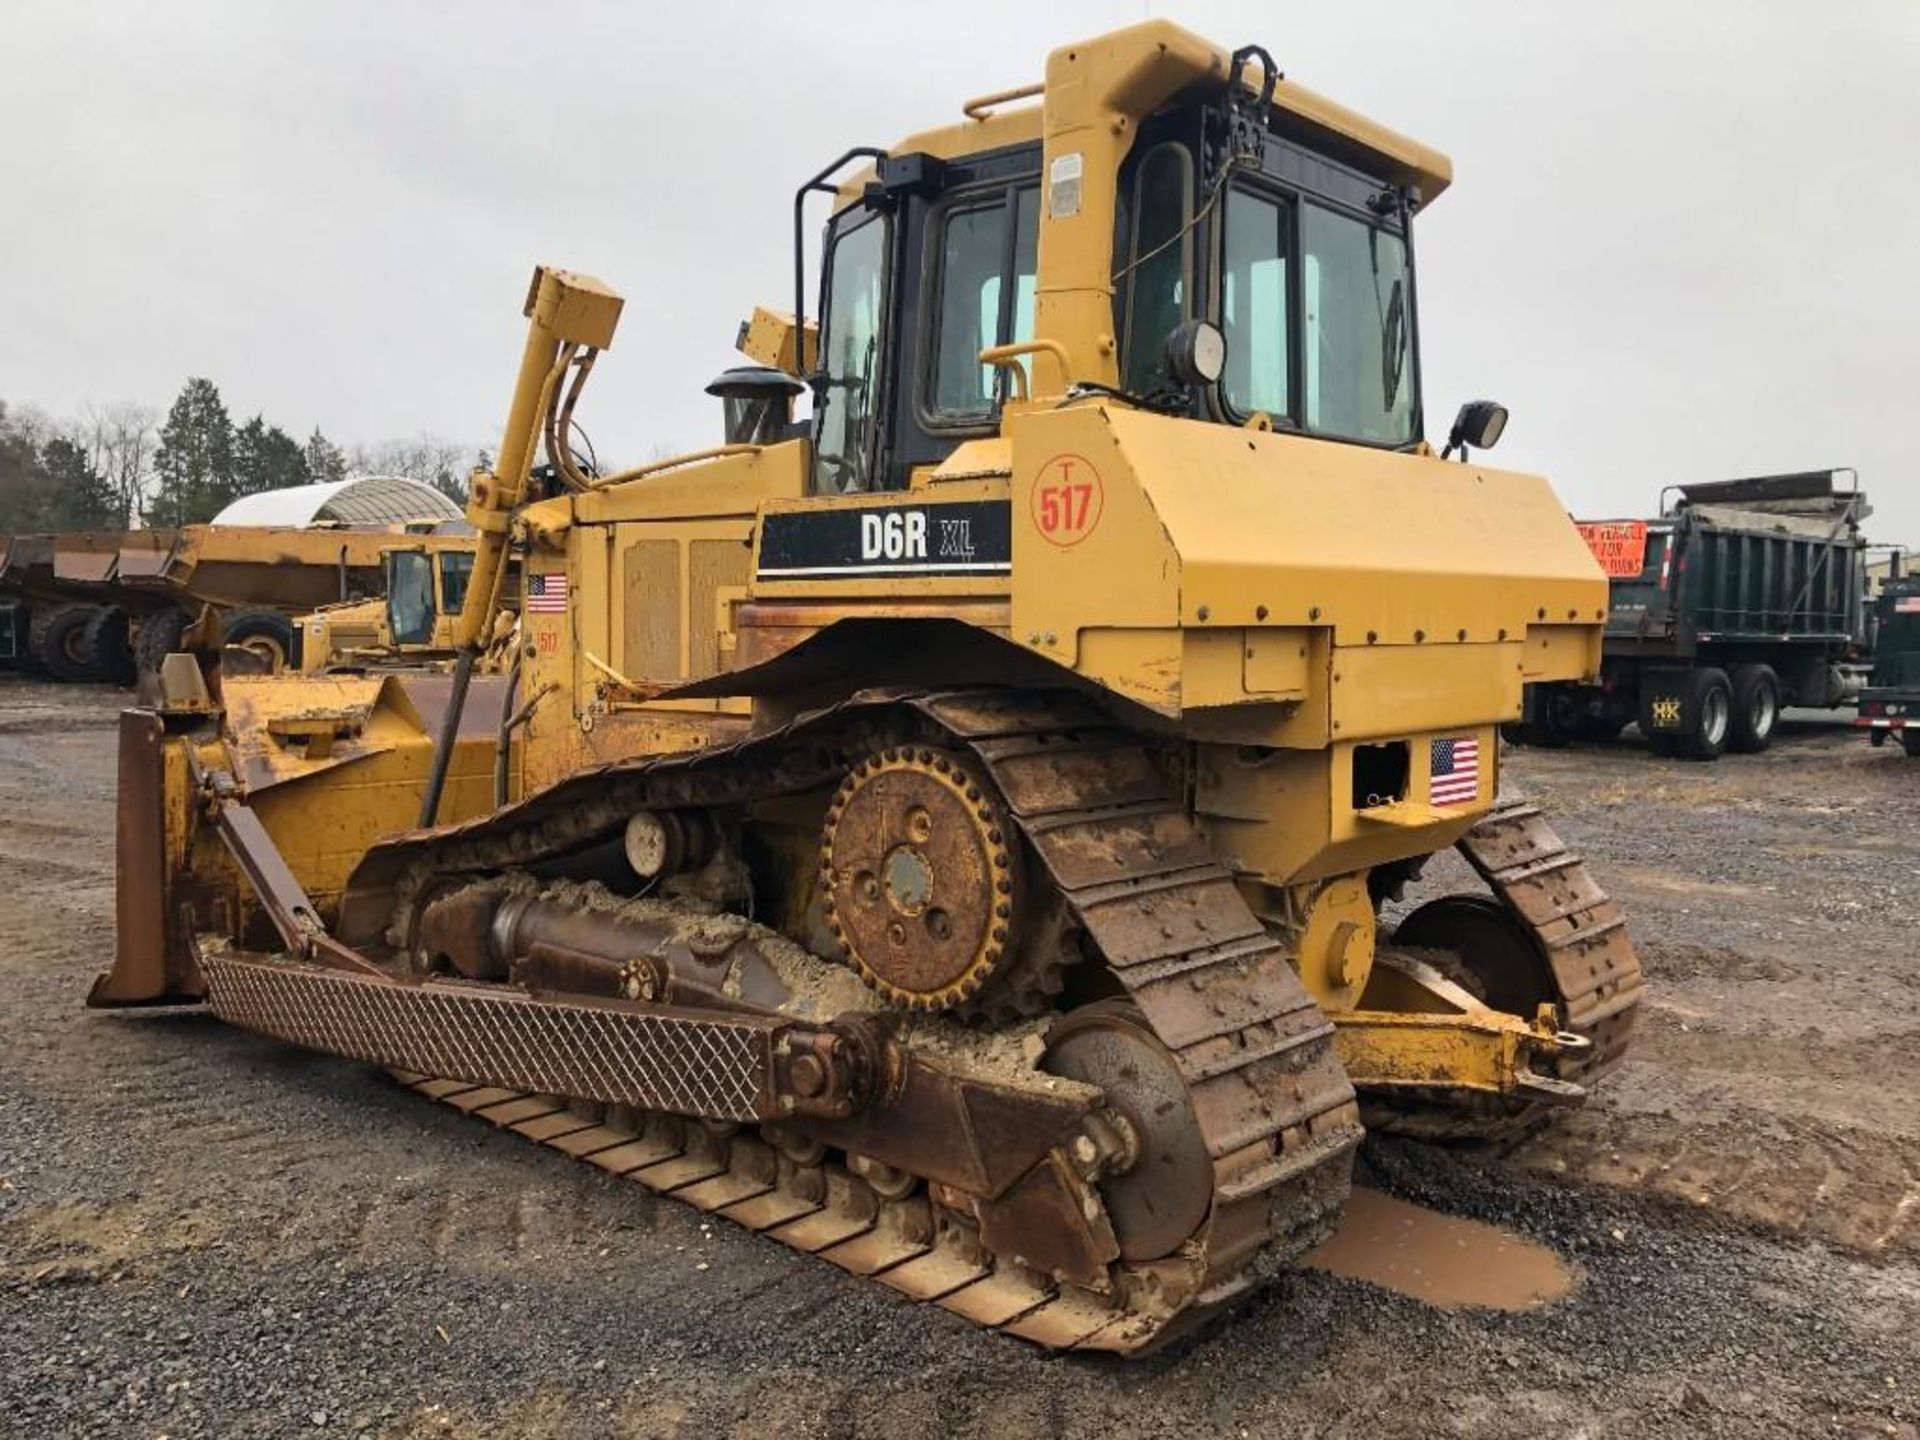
921, 876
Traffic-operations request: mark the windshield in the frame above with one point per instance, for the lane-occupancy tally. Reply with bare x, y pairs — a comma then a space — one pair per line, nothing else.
1347, 328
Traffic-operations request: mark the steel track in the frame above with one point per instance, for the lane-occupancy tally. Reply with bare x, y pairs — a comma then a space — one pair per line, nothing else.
1591, 966
1275, 1109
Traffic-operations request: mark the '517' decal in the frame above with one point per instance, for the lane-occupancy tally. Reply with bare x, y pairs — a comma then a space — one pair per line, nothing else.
1067, 500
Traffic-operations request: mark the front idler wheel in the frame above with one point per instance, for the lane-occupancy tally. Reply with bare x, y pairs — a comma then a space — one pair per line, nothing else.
1483, 948
1159, 1199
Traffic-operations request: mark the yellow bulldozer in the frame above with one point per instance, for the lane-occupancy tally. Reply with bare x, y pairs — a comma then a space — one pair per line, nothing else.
961, 834
412, 623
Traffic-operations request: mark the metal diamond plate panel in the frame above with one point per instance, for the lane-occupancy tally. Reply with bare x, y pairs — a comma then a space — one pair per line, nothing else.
715, 1069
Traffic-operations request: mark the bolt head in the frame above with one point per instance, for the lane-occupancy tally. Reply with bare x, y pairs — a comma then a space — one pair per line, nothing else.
807, 1076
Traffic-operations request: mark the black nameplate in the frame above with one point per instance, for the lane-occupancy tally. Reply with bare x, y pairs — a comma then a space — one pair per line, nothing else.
947, 538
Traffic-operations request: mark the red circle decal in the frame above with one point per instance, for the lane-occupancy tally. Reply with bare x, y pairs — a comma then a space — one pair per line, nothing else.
1067, 500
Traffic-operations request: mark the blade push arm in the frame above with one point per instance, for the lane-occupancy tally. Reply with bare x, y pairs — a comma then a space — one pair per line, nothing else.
566, 313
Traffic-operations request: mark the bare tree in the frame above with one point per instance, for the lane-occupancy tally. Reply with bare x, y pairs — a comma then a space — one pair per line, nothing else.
119, 439
426, 458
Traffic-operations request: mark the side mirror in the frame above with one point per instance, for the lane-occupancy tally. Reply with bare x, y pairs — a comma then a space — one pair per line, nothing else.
1479, 426
1196, 353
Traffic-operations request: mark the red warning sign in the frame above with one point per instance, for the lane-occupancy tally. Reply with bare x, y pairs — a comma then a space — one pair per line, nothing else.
1619, 545
1067, 500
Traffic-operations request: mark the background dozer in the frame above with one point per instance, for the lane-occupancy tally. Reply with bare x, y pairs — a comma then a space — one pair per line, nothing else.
952, 835
412, 623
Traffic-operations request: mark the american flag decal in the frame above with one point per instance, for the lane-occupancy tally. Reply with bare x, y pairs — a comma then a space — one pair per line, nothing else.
1453, 768
546, 594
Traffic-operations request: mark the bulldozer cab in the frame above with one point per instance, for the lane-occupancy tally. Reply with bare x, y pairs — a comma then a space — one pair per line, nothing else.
1229, 226
425, 590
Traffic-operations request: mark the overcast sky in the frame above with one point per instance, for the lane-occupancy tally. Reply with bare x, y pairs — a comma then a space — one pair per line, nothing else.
1683, 241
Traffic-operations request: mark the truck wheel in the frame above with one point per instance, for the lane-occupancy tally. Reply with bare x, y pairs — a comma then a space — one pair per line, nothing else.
57, 641
13, 634
1541, 722
267, 633
1756, 708
110, 647
159, 637
1707, 711
1910, 742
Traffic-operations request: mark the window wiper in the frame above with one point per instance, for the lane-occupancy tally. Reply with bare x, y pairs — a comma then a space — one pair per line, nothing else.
1392, 326
1393, 355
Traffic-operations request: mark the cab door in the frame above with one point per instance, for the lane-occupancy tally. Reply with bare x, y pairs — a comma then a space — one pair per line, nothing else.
451, 574
411, 610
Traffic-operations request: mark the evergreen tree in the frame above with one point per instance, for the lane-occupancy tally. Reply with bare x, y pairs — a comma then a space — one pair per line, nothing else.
265, 457
325, 461
79, 497
25, 492
195, 460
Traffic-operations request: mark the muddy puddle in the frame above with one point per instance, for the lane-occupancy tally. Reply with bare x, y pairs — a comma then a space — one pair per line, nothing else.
1441, 1259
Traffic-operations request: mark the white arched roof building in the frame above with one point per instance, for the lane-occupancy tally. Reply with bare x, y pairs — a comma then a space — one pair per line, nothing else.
365, 500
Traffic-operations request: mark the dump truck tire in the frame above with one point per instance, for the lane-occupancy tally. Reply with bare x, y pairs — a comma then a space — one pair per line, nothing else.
1910, 742
1707, 715
1756, 708
110, 647
57, 642
159, 637
267, 633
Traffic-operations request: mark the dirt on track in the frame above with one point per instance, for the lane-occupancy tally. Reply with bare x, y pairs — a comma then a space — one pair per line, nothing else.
206, 1233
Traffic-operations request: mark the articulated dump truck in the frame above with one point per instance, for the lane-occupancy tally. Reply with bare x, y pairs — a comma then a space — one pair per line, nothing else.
105, 606
957, 835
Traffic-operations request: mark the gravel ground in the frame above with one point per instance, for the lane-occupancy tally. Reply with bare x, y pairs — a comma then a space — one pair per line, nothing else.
203, 1233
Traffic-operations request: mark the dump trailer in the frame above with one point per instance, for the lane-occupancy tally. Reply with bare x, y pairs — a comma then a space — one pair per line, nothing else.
61, 600
1744, 596
1890, 704
104, 606
957, 835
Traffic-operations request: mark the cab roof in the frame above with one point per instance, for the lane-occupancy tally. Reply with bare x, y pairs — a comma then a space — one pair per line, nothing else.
1301, 115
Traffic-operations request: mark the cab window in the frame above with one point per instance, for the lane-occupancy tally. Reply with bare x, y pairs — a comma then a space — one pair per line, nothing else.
847, 389
1253, 305
987, 260
1158, 264
1327, 347
1357, 322
456, 569
410, 596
